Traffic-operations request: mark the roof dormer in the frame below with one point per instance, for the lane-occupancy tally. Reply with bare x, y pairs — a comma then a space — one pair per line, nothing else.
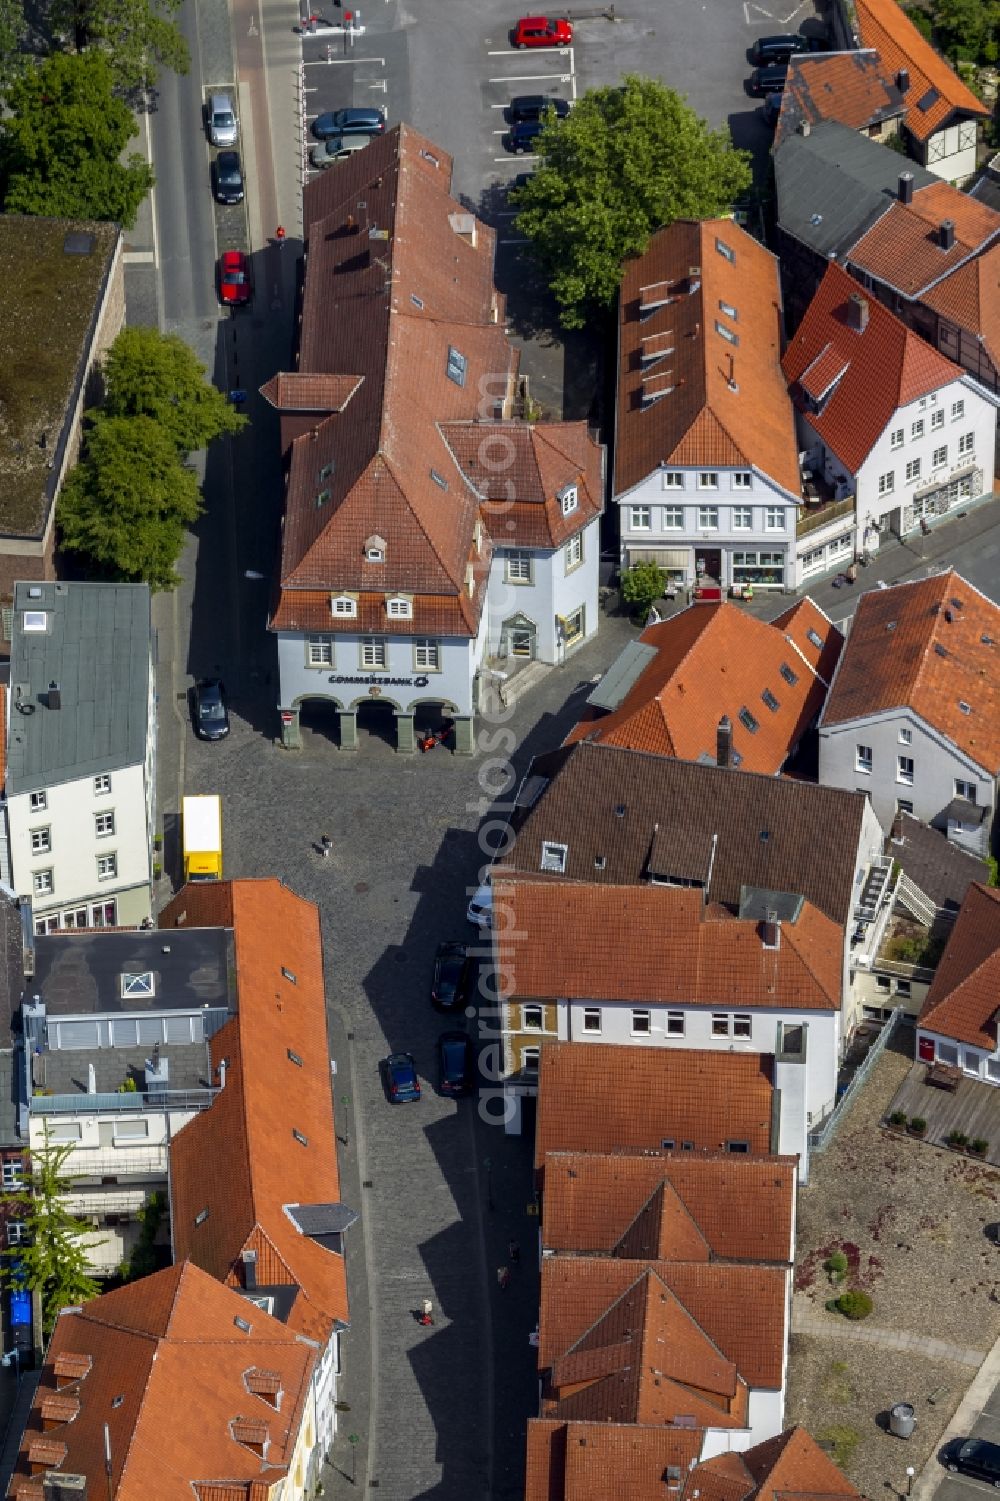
399, 606
568, 498
375, 548
344, 605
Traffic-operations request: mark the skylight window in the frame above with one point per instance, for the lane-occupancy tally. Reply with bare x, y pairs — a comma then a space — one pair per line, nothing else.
747, 721
143, 984
302, 1140
770, 700
965, 708
243, 1324
457, 366
814, 637
789, 676
201, 1217
33, 620
294, 1058
289, 975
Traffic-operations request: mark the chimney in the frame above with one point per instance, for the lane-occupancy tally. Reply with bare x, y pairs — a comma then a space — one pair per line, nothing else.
59, 1487
946, 239
903, 80
857, 312
803, 127
54, 698
724, 742
249, 1270
906, 187
770, 931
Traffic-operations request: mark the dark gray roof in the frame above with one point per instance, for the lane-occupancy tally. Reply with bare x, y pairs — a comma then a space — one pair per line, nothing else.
317, 1220
96, 647
942, 870
756, 903
987, 190
81, 973
834, 184
14, 931
830, 85
622, 675
960, 810
613, 808
278, 1300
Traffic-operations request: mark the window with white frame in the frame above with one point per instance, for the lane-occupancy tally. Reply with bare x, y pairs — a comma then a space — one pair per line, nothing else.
727, 333
553, 857
374, 654
937, 419
863, 758
639, 518
673, 518
592, 1019
529, 1060
966, 443
904, 770
742, 1024
965, 789
940, 457
708, 518
63, 1131
896, 438
456, 367
574, 552
399, 608
107, 867
17, 1233
38, 802
742, 479
720, 1024
912, 471
104, 824
917, 428
675, 1023
708, 480
905, 737
642, 1023
345, 605
319, 651
887, 482
518, 568
742, 518
41, 882
569, 499
102, 785
957, 410
673, 479
13, 1172
774, 519
427, 655
532, 1018
41, 841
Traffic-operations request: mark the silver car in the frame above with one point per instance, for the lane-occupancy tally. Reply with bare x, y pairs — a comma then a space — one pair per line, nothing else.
336, 149
223, 127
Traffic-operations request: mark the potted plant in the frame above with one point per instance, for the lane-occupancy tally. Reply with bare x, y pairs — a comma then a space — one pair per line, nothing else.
957, 1141
157, 869
899, 1119
978, 1147
917, 1126
157, 841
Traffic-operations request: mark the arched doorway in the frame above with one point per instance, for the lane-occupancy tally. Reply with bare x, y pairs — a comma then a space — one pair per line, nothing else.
376, 719
519, 638
434, 716
319, 723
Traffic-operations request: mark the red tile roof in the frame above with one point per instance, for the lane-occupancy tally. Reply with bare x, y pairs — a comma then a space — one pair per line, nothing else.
713, 660
853, 87
656, 944
791, 1464
590, 1461
519, 472
903, 249
970, 297
936, 94
166, 1376
680, 1207
727, 405
240, 1160
964, 998
930, 645
636, 1097
887, 366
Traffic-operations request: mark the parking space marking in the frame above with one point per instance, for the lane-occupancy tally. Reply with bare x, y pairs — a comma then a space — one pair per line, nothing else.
532, 78
517, 52
512, 161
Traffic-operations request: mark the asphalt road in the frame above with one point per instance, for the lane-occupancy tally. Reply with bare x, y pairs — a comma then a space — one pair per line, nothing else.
964, 1487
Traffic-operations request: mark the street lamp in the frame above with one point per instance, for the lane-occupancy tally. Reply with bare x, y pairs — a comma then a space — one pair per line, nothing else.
353, 1439
910, 1472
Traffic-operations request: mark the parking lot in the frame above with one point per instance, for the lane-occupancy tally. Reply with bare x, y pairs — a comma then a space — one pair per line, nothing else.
964, 1487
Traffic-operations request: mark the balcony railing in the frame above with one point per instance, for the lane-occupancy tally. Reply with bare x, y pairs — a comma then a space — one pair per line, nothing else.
92, 1104
872, 912
123, 1162
811, 518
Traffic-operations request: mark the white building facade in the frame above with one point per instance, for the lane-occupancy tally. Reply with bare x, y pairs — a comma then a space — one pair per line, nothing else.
543, 602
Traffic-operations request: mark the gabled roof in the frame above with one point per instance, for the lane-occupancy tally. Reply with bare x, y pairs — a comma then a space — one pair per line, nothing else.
714, 660
940, 867
167, 1367
834, 184
931, 645
935, 94
657, 944
790, 1464
726, 405
970, 297
964, 997
887, 366
638, 1097
853, 87
722, 1206
906, 248
626, 816
268, 1141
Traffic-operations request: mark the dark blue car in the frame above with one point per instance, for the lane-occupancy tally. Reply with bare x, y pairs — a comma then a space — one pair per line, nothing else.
455, 1064
401, 1078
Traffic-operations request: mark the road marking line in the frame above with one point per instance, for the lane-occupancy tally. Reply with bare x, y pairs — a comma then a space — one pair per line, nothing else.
532, 78
321, 62
518, 51
139, 257
512, 161
514, 242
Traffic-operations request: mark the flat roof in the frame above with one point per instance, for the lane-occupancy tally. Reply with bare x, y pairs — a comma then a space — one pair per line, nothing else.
94, 642
53, 273
82, 973
66, 1071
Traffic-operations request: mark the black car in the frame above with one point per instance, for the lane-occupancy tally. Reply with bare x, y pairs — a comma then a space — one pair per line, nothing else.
343, 122
527, 107
454, 978
211, 717
777, 49
523, 137
227, 177
772, 109
455, 1064
978, 1457
765, 81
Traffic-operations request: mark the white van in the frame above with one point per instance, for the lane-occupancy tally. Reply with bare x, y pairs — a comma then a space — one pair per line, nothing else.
480, 909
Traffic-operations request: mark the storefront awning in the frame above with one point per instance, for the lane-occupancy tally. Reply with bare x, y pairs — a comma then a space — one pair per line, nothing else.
664, 557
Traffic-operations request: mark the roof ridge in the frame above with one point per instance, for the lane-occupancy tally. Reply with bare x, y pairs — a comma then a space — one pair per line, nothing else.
790, 930
418, 518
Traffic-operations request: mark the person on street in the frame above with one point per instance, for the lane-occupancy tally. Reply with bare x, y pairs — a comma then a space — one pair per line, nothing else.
427, 1311
503, 1277
513, 1253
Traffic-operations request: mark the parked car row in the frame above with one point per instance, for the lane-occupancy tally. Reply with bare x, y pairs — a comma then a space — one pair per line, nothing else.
528, 115
771, 56
456, 1070
542, 31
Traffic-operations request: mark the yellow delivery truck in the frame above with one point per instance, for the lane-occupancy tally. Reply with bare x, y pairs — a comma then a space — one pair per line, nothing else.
201, 819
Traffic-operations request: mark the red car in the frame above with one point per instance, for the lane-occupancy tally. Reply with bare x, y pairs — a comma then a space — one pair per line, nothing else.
542, 31
235, 286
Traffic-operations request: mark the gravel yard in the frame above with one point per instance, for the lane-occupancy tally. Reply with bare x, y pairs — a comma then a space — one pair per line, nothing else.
911, 1220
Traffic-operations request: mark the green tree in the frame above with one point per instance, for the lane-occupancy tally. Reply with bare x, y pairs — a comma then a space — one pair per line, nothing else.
54, 1260
128, 501
149, 374
138, 37
965, 27
13, 29
628, 159
62, 144
641, 584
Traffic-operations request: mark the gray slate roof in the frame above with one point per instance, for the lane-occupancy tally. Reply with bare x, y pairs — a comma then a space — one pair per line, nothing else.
834, 184
96, 647
80, 974
943, 870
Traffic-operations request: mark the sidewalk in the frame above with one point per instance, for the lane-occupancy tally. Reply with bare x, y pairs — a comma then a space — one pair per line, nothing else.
807, 1321
962, 1420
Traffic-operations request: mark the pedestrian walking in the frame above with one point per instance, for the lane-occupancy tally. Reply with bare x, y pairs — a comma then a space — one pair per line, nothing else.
513, 1253
279, 235
427, 1312
326, 845
503, 1277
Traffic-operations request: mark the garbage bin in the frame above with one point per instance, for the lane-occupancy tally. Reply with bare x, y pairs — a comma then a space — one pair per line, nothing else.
902, 1420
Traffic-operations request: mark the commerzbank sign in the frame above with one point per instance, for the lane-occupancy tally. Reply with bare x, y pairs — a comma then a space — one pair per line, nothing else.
379, 681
